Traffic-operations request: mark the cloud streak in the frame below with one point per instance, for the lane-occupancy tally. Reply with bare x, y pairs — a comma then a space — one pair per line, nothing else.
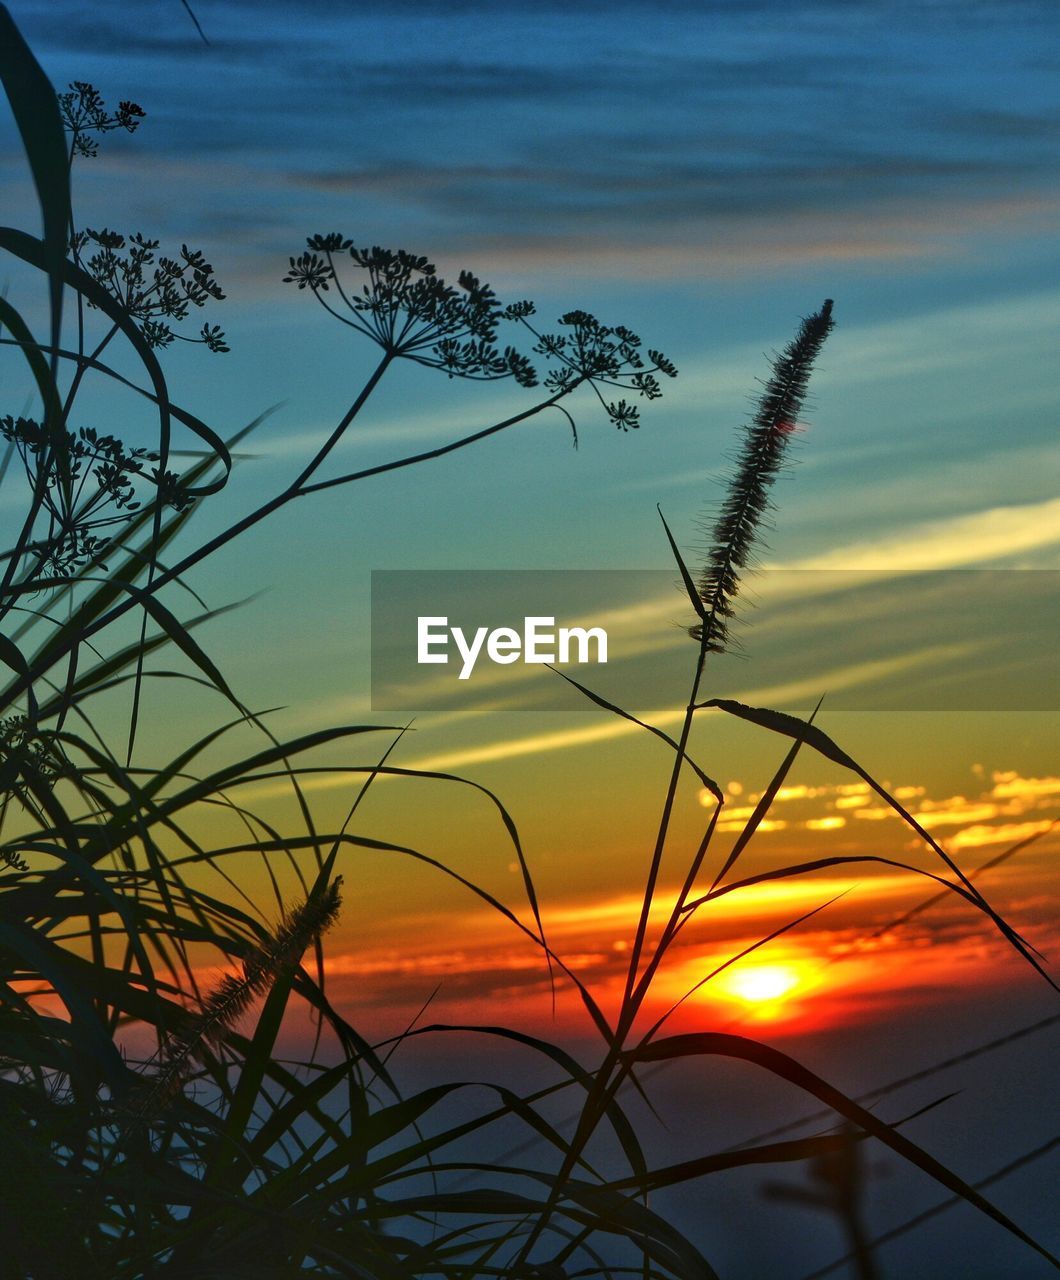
979, 538
711, 150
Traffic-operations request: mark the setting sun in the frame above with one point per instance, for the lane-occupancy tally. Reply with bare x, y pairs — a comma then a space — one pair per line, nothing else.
761, 983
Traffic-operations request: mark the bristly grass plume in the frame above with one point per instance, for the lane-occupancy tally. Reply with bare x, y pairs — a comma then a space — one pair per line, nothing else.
234, 995
765, 442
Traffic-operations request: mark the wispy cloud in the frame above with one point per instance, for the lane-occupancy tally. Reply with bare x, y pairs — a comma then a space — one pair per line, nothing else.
568, 738
976, 539
710, 150
572, 737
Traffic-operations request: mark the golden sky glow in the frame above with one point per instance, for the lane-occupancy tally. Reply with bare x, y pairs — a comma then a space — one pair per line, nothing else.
851, 956
760, 984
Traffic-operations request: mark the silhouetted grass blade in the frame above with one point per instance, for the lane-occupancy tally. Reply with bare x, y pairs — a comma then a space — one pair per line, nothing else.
36, 113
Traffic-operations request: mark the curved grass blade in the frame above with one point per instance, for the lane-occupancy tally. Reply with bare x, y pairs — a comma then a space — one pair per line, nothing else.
763, 806
717, 1043
792, 727
36, 111
707, 782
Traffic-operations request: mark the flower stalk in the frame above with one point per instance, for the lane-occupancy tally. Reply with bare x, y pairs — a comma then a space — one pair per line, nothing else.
762, 454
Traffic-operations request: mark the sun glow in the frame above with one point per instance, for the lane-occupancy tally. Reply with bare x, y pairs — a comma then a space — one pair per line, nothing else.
762, 983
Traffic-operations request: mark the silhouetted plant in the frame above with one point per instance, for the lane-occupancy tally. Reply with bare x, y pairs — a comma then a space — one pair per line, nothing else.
733, 532
627, 1049
409, 311
405, 307
88, 483
84, 113
149, 290
220, 1011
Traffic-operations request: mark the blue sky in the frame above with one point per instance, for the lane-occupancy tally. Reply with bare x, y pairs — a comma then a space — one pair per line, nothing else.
705, 175
713, 170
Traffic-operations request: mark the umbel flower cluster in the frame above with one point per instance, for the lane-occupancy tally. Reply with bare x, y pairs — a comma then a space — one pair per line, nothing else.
149, 290
87, 482
31, 760
410, 311
83, 113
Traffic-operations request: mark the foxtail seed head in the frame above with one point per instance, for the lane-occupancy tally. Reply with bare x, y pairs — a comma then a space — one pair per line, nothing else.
761, 454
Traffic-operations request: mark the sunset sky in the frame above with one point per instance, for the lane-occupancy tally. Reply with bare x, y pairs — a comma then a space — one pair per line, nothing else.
705, 174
